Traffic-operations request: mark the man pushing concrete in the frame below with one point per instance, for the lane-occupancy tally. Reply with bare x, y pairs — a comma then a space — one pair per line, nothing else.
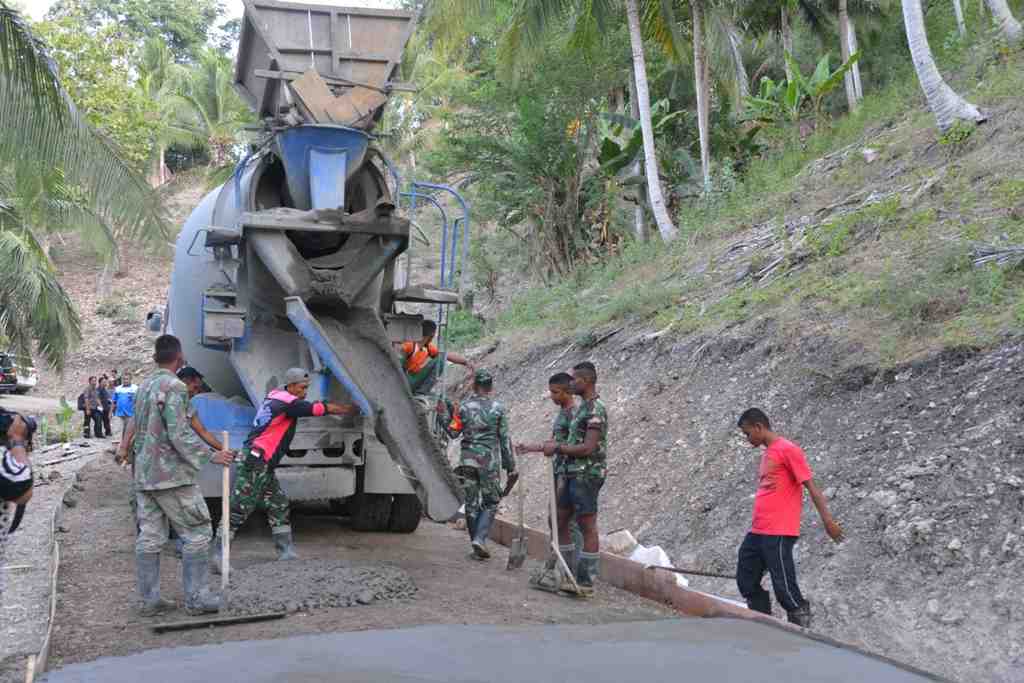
256, 484
168, 457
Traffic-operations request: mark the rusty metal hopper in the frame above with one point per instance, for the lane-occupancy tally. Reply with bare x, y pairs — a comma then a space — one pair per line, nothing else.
347, 46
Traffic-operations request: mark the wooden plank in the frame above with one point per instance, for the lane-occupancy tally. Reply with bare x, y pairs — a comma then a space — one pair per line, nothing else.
314, 96
284, 75
356, 105
216, 621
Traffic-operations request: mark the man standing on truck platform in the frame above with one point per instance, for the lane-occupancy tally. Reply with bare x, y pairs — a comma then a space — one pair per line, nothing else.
256, 484
196, 386
775, 528
583, 473
560, 390
486, 450
168, 457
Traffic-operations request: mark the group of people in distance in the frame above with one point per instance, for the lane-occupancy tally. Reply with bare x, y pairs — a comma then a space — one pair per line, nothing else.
105, 397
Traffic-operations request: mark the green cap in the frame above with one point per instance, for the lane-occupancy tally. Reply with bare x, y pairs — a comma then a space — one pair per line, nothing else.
483, 377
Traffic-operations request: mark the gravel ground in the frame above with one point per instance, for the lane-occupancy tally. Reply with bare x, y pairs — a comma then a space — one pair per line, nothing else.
314, 584
96, 615
25, 600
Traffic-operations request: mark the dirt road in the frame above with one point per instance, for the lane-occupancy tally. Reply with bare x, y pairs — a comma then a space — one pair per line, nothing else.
96, 612
30, 405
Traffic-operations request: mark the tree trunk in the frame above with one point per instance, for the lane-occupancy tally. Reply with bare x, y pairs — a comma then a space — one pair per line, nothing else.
665, 226
639, 218
946, 105
846, 51
740, 71
787, 38
700, 70
1006, 22
961, 25
857, 86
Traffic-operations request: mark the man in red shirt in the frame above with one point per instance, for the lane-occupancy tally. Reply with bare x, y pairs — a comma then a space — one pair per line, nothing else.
775, 529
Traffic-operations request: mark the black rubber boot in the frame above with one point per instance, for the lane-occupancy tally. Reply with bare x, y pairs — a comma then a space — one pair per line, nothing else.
147, 572
195, 577
285, 546
483, 527
801, 616
471, 525
587, 571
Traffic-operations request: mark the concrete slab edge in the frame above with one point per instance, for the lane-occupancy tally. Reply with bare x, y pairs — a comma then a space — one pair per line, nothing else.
661, 587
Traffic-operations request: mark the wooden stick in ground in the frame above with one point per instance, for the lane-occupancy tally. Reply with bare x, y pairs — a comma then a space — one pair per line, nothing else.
554, 537
225, 517
216, 621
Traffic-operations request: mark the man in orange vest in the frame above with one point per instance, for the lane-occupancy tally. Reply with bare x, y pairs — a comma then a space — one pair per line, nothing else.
423, 361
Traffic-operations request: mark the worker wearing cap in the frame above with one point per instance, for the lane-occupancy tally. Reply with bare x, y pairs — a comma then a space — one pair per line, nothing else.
196, 385
486, 450
255, 482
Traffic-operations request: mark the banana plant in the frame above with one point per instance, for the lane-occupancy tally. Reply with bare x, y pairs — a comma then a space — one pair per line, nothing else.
622, 138
786, 100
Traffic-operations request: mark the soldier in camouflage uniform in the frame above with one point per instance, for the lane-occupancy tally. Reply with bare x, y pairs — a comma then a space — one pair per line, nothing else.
560, 389
168, 457
585, 456
486, 450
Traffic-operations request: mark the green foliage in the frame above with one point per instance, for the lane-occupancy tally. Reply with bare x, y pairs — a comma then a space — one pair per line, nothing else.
958, 134
65, 428
464, 329
784, 101
621, 141
184, 25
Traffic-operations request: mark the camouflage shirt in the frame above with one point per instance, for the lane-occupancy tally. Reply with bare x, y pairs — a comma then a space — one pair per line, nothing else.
485, 435
168, 452
590, 415
560, 434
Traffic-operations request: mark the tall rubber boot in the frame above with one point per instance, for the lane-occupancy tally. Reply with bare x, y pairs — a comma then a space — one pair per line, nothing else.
285, 546
801, 616
147, 573
217, 551
195, 577
471, 525
483, 527
587, 571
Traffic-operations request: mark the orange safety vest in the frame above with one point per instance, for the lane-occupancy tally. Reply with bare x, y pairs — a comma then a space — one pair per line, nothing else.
417, 356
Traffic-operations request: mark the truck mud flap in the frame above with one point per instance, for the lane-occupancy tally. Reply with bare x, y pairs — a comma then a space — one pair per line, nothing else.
354, 344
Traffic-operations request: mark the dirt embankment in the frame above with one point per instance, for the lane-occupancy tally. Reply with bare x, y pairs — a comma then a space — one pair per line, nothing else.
923, 464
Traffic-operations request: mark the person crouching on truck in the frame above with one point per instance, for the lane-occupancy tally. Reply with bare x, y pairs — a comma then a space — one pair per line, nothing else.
256, 484
775, 529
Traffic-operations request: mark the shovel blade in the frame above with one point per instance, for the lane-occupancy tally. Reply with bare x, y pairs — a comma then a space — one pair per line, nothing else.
516, 553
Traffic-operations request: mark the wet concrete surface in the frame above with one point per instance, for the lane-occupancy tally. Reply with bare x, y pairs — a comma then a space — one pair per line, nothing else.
718, 650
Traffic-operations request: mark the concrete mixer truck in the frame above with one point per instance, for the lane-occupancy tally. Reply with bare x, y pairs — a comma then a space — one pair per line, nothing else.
292, 262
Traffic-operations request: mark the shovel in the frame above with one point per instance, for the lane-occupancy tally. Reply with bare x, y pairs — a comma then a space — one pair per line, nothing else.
518, 547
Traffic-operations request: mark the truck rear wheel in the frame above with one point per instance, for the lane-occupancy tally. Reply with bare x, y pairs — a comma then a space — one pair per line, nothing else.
406, 512
370, 511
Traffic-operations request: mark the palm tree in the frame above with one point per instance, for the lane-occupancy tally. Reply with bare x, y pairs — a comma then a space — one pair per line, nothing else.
43, 130
947, 106
845, 50
216, 112
702, 87
161, 79
666, 227
1007, 23
961, 25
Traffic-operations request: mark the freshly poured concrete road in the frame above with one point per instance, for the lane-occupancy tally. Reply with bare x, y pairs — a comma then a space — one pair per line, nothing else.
714, 650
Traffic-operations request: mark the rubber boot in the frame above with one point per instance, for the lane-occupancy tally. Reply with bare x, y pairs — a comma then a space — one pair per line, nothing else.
147, 572
285, 546
195, 577
586, 572
762, 602
801, 616
483, 527
217, 551
471, 525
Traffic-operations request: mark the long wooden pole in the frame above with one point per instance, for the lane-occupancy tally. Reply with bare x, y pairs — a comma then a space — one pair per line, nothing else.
225, 517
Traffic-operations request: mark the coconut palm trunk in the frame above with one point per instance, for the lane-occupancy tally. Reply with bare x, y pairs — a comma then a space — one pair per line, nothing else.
1007, 23
947, 106
961, 25
700, 70
666, 228
787, 38
845, 50
855, 70
639, 219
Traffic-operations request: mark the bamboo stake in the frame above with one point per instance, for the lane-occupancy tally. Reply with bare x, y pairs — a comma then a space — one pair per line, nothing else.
225, 517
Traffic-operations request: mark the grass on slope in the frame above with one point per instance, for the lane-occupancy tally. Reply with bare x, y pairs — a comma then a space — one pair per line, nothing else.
879, 253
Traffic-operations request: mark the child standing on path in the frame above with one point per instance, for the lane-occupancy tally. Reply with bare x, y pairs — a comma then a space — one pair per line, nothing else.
775, 529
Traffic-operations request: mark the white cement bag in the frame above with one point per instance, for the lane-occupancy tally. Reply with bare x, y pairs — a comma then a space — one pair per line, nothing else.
656, 556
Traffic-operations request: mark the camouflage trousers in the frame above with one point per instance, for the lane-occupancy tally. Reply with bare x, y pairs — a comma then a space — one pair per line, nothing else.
481, 489
256, 486
182, 509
